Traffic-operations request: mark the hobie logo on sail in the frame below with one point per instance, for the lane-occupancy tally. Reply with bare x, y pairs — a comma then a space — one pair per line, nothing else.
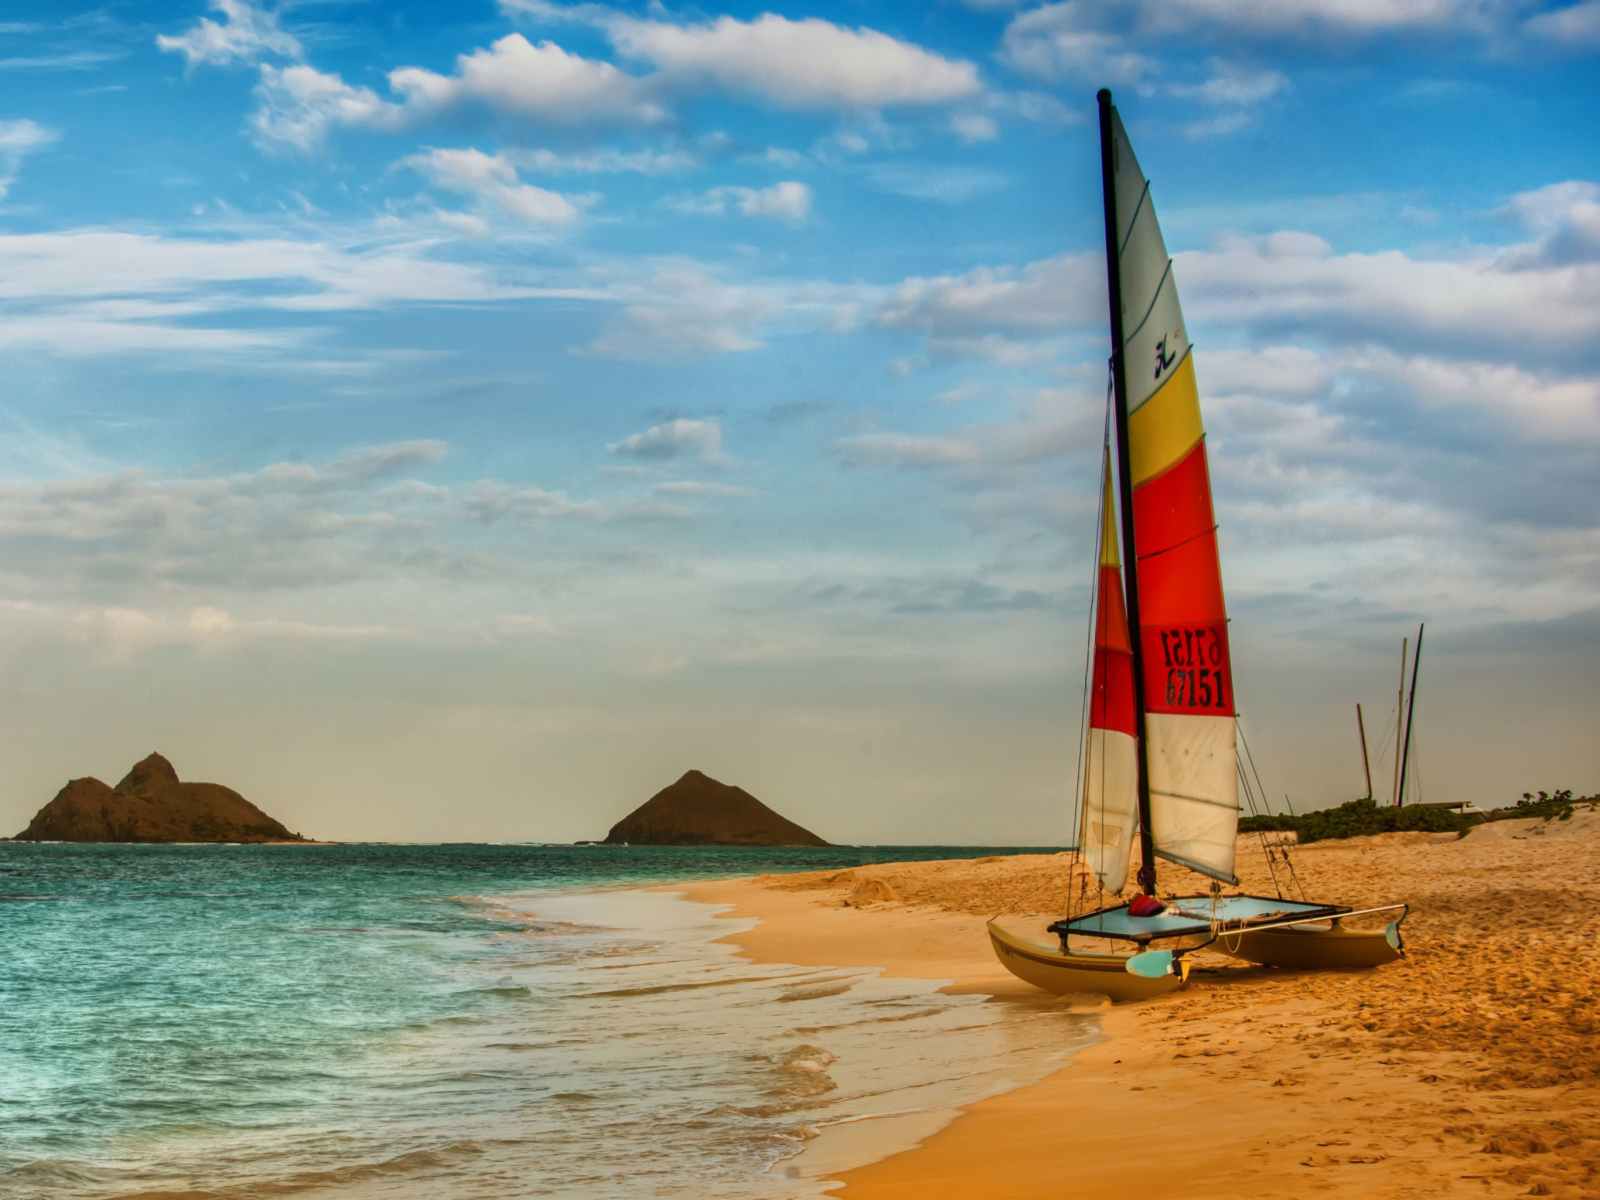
1164, 357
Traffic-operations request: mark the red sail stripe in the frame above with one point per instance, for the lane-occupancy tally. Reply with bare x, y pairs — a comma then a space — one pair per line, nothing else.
1111, 699
1111, 626
1173, 507
1184, 638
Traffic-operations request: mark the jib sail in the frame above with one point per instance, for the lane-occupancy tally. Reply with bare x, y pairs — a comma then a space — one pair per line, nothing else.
1111, 759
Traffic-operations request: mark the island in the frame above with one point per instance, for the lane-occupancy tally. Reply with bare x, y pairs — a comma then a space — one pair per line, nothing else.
701, 811
151, 804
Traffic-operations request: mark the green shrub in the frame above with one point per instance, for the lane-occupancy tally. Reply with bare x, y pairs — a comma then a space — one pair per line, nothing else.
1546, 804
1359, 818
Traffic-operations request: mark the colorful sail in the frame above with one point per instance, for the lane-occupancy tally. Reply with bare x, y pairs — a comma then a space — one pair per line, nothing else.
1183, 635
1111, 758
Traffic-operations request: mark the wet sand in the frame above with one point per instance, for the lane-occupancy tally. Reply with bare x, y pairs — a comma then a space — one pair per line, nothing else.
1469, 1068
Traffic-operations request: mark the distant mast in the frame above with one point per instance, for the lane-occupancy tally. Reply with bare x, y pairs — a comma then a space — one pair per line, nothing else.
1366, 763
1411, 716
1399, 720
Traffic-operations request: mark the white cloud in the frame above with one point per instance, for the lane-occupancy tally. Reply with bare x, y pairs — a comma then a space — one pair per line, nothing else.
1039, 107
937, 182
1314, 18
1115, 42
960, 394
131, 538
1045, 296
540, 83
1069, 40
1575, 27
789, 201
494, 180
679, 438
1499, 299
375, 462
974, 127
298, 106
1566, 215
247, 34
286, 525
1233, 83
543, 84
1392, 479
488, 502
806, 64
118, 635
18, 139
1474, 397
94, 291
606, 160
685, 313
1532, 407
696, 487
907, 449
1218, 126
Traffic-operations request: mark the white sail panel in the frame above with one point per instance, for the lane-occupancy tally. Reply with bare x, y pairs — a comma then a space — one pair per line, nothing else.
1194, 791
1110, 805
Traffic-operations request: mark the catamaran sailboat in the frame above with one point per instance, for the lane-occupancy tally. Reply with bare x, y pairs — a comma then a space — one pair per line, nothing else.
1161, 758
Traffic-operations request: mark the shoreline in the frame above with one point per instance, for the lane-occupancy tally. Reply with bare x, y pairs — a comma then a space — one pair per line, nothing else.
924, 944
1465, 1069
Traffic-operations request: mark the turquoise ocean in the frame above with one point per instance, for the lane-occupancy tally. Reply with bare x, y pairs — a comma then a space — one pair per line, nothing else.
448, 1021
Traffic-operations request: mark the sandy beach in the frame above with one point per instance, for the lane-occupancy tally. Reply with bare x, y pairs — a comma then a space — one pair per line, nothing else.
1466, 1069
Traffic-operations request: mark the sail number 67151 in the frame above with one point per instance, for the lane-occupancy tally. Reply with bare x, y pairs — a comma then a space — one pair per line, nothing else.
1191, 671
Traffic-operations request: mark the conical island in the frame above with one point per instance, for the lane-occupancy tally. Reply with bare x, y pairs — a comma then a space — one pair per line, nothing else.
152, 805
700, 811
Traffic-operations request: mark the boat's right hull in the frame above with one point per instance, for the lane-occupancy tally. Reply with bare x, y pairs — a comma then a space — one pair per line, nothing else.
1312, 947
1046, 966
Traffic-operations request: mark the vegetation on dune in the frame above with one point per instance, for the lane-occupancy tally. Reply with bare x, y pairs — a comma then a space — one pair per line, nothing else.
1357, 818
1559, 805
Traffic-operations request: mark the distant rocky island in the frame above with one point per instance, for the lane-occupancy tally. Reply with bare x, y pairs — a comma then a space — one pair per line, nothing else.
152, 805
700, 811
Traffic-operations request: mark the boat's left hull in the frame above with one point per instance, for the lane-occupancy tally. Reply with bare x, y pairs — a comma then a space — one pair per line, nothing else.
1048, 967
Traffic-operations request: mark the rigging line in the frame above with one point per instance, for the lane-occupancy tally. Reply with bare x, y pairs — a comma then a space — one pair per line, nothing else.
1080, 772
1389, 726
1294, 877
1261, 834
1267, 849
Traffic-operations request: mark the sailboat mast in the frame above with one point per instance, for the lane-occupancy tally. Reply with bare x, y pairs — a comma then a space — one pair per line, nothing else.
1411, 713
1399, 721
1366, 764
1130, 558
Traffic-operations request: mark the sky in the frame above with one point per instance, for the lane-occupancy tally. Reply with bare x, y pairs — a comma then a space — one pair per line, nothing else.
454, 421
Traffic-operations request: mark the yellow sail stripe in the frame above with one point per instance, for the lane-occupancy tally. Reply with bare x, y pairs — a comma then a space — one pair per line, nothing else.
1165, 427
1108, 526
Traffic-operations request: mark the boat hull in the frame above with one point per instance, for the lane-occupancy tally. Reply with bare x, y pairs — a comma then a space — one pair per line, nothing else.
1313, 947
1047, 966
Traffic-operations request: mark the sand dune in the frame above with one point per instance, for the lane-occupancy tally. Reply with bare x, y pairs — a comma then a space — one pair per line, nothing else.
1467, 1069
